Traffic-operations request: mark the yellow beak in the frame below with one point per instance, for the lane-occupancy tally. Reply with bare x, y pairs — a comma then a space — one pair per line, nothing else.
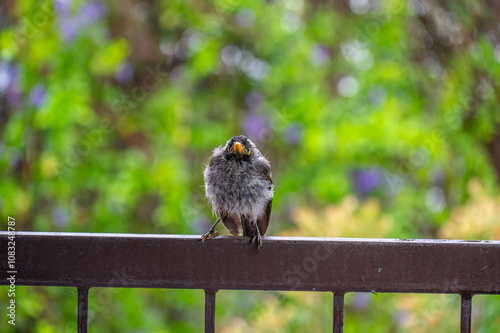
238, 148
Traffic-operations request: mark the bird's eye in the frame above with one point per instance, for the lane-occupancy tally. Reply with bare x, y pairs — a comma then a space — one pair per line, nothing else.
249, 151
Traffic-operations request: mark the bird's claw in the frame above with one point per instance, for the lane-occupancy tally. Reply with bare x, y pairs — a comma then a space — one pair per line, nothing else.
209, 235
257, 239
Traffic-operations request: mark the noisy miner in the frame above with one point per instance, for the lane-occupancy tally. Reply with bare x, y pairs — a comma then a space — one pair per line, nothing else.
239, 187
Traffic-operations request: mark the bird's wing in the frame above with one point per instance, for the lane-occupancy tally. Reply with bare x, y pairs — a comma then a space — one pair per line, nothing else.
233, 224
263, 221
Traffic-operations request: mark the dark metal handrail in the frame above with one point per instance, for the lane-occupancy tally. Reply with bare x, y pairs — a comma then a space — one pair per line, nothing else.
85, 260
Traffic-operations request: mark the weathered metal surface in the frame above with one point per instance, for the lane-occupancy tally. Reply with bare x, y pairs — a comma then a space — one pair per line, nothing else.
338, 313
466, 313
319, 264
210, 311
83, 310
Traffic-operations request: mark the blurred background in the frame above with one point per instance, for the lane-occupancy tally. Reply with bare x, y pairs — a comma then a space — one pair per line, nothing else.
380, 119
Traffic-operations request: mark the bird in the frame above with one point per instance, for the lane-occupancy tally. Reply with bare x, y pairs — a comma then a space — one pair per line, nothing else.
239, 187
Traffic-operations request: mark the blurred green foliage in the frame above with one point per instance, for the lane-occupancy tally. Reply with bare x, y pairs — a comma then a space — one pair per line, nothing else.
380, 119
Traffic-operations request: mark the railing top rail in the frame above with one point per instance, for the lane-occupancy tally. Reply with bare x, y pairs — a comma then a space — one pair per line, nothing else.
283, 263
268, 238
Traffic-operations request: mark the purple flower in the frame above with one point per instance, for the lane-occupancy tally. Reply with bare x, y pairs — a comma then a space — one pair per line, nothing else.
5, 76
66, 22
294, 133
366, 180
69, 28
320, 54
256, 127
124, 72
9, 85
37, 95
13, 95
62, 6
91, 12
60, 217
361, 301
70, 25
13, 72
8, 75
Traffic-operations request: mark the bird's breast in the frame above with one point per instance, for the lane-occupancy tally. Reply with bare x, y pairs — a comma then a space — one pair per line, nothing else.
238, 189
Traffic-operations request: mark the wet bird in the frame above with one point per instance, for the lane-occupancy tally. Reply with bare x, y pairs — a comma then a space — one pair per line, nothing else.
239, 187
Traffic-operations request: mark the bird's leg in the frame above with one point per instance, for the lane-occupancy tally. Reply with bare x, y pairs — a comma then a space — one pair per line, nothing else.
211, 232
247, 226
257, 238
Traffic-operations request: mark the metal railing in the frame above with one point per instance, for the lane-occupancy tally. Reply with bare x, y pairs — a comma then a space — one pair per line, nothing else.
84, 260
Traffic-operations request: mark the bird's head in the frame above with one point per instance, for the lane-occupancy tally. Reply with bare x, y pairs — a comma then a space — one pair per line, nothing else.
239, 148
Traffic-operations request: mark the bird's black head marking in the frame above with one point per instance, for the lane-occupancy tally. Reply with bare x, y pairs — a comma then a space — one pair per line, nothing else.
238, 148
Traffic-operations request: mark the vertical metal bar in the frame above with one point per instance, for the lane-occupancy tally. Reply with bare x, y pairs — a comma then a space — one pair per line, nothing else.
210, 311
338, 312
466, 313
83, 309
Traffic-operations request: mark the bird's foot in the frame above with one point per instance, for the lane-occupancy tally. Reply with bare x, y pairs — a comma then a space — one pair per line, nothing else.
209, 235
257, 239
211, 232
